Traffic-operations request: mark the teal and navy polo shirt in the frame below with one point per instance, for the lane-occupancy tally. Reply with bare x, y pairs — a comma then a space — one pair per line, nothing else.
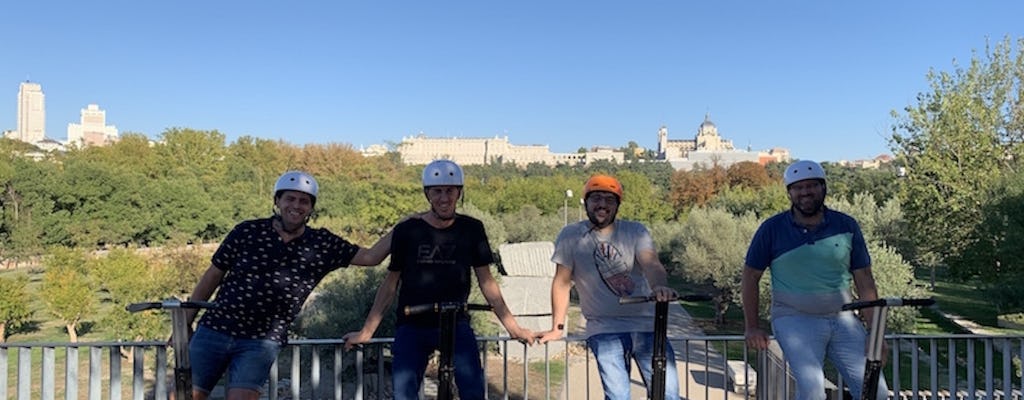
810, 269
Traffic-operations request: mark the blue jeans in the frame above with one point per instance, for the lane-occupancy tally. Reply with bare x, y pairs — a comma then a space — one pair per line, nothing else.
807, 340
614, 351
247, 361
412, 349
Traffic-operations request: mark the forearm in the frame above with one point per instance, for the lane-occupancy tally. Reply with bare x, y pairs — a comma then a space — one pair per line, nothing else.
492, 293
866, 291
559, 305
751, 299
375, 254
381, 302
207, 284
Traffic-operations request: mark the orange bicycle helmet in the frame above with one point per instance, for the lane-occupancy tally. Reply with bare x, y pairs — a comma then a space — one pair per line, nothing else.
603, 183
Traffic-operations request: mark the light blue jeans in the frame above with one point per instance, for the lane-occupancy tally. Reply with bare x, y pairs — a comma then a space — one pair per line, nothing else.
614, 351
807, 340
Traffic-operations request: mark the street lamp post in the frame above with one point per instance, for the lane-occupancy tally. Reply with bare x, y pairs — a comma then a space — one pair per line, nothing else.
565, 206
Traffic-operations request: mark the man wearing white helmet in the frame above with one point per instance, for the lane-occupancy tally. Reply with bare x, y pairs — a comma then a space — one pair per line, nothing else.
431, 261
813, 253
262, 272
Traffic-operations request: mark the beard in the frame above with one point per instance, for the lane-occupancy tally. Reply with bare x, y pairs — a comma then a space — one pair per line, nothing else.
597, 221
809, 207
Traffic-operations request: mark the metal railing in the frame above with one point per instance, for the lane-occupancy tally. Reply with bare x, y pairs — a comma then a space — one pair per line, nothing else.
930, 367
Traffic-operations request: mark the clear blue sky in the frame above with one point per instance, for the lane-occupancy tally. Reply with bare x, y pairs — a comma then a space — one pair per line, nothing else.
817, 77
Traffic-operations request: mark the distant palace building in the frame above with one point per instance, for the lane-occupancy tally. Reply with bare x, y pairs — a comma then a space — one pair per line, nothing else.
708, 149
420, 150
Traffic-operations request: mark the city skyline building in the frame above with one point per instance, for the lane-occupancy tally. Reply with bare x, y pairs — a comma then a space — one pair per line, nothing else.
31, 113
93, 129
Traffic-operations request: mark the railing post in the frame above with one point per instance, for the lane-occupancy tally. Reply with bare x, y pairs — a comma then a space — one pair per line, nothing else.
95, 372
71, 373
3, 373
24, 373
47, 373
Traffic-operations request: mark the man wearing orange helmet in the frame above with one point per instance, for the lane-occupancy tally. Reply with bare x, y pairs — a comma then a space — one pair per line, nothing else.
607, 259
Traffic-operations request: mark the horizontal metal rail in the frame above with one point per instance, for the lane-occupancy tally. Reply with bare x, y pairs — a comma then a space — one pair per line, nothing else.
961, 367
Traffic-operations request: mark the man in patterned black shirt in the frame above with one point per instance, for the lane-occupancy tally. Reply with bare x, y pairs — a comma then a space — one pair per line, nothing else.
263, 271
433, 258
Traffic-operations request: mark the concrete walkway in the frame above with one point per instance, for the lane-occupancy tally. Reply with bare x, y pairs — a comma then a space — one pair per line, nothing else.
695, 381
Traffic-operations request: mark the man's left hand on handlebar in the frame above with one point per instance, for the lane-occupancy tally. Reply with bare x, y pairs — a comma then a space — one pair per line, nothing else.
664, 293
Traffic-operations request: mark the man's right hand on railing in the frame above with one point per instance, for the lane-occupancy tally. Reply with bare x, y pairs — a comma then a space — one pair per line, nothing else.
757, 338
353, 339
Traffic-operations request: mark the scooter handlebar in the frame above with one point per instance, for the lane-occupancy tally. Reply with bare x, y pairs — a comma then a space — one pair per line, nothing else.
445, 306
168, 304
644, 299
889, 302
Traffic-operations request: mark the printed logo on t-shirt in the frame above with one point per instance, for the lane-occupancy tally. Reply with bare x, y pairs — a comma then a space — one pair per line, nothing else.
435, 254
614, 269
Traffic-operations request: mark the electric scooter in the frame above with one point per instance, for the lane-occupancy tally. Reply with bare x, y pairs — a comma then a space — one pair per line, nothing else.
876, 338
659, 360
179, 339
448, 313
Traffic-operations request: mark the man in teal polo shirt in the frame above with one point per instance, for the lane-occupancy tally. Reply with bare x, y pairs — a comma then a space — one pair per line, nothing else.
813, 252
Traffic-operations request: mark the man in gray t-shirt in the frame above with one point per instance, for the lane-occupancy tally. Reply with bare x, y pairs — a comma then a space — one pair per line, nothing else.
607, 259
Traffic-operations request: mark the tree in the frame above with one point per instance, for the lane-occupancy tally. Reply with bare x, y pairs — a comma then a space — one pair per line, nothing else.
530, 225
14, 304
995, 254
66, 289
748, 174
955, 143
128, 277
697, 187
714, 244
883, 229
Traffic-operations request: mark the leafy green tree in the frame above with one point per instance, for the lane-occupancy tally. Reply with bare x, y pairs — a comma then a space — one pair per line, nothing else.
67, 289
714, 244
956, 143
844, 182
884, 231
343, 302
995, 254
641, 200
128, 277
763, 202
14, 304
530, 225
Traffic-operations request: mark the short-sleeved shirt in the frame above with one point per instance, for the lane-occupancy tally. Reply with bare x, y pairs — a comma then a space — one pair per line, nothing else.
436, 265
810, 268
605, 268
267, 280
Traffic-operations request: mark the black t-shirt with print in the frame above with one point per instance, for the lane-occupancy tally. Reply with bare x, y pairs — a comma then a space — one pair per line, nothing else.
436, 264
267, 280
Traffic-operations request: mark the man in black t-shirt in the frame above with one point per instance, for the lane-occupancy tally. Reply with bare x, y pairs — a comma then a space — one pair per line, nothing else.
431, 260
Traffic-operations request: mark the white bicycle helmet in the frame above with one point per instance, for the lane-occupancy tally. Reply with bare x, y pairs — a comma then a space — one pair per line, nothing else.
802, 170
298, 181
442, 173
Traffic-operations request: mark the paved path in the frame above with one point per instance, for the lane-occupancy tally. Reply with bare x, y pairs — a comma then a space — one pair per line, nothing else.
695, 382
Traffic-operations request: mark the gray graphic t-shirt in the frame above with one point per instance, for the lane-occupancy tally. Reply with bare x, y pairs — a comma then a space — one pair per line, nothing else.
604, 268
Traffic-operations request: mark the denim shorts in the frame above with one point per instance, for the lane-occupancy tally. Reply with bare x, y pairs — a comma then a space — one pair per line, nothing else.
247, 361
